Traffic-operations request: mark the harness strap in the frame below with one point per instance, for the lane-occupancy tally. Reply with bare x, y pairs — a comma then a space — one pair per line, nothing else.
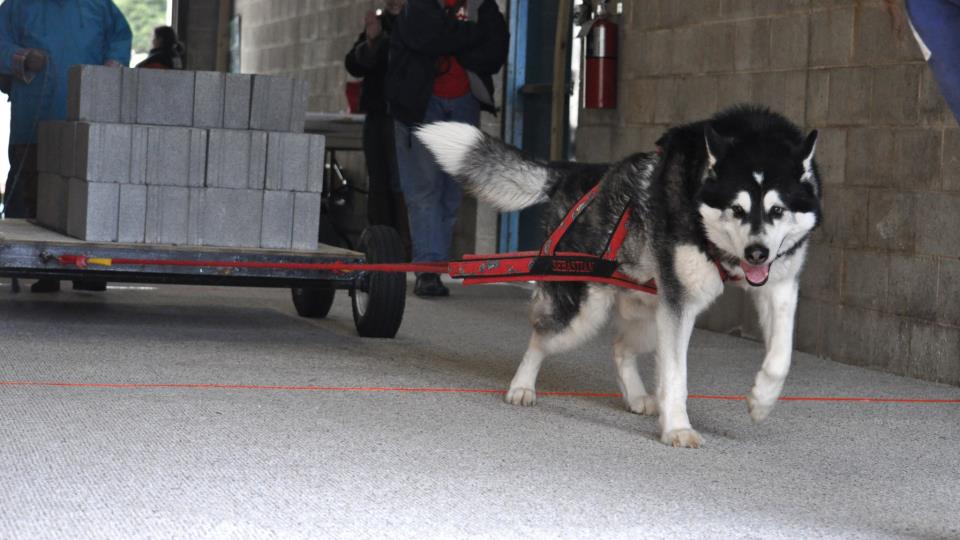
550, 246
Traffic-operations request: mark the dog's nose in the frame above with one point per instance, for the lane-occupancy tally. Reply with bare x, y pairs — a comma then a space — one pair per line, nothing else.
757, 254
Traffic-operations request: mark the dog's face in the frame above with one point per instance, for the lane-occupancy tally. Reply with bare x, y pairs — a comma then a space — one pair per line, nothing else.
759, 199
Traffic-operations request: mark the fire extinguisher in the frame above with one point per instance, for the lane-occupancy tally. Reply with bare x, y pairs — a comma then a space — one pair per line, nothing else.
600, 88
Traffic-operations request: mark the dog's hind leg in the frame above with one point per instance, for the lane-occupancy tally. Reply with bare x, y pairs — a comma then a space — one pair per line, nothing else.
591, 312
636, 335
776, 304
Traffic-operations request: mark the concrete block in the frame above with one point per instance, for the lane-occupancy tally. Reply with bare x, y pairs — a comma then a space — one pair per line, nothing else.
895, 101
167, 216
865, 279
93, 93
298, 110
948, 290
92, 210
751, 44
176, 156
913, 287
52, 194
48, 147
230, 217
820, 279
132, 216
916, 161
719, 55
236, 159
139, 154
277, 103
951, 160
165, 97
277, 229
831, 36
789, 42
843, 107
102, 152
288, 155
891, 220
934, 353
128, 95
306, 221
208, 104
68, 149
868, 152
236, 101
938, 224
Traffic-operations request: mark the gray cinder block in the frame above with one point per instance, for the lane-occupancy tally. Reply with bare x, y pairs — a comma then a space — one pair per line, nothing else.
236, 159
167, 215
68, 149
277, 229
236, 101
132, 216
92, 210
208, 103
165, 97
102, 152
306, 221
48, 147
139, 152
93, 93
231, 217
295, 162
128, 95
52, 195
278, 103
176, 156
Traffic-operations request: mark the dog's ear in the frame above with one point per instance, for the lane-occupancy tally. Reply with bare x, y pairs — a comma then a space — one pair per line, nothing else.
807, 151
716, 145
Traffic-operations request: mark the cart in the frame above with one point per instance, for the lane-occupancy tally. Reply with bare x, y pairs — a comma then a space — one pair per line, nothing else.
30, 251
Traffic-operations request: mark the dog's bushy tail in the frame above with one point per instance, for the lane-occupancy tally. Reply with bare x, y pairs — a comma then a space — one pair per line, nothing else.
493, 171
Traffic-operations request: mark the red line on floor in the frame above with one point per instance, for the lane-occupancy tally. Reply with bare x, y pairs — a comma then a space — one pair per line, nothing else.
441, 391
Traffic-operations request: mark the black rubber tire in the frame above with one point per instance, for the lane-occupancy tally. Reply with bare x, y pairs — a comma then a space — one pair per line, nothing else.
313, 303
386, 293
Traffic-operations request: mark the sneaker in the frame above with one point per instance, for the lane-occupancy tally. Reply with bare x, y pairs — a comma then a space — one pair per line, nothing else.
46, 286
429, 285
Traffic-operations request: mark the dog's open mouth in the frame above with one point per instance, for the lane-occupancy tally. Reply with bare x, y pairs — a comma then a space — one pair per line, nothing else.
756, 275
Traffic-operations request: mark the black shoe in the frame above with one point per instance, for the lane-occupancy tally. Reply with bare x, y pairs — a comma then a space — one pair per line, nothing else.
45, 286
92, 285
429, 285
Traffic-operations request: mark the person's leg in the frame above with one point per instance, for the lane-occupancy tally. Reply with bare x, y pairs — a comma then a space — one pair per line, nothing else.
422, 189
379, 204
398, 214
20, 195
466, 110
938, 24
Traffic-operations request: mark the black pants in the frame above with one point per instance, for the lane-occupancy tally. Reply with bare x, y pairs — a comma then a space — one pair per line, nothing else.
20, 195
385, 204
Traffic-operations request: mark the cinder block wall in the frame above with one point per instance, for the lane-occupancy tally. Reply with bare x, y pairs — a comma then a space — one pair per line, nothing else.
882, 283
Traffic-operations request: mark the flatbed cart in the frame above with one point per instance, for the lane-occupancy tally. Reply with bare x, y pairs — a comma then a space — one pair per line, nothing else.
30, 251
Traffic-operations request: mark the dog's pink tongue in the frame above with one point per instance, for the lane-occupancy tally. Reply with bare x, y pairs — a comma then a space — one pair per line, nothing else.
755, 274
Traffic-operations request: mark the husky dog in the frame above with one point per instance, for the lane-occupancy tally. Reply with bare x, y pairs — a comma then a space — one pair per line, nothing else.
739, 192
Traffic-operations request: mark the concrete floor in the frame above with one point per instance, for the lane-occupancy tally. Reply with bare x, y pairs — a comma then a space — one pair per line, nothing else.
194, 462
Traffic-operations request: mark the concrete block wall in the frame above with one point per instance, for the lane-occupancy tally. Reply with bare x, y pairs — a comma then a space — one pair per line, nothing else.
884, 269
311, 39
181, 179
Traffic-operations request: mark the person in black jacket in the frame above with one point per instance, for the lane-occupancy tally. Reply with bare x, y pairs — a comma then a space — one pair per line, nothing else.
443, 55
368, 60
167, 51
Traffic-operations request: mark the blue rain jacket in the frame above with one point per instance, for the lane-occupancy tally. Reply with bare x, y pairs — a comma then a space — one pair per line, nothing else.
70, 32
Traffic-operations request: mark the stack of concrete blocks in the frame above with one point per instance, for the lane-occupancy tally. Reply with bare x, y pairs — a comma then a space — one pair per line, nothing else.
179, 157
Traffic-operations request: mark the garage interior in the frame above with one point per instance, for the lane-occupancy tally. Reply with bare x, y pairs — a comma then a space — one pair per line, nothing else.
174, 411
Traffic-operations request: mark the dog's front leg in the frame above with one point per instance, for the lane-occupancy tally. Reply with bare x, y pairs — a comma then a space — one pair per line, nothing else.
776, 305
674, 328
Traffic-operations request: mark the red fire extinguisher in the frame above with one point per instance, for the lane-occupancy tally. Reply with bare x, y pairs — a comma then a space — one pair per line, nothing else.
600, 90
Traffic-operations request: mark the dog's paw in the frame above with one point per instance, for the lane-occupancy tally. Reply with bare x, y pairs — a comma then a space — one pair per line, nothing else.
682, 438
521, 396
642, 405
759, 409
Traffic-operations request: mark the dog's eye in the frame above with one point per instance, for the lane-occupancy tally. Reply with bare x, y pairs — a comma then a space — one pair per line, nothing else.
738, 211
776, 212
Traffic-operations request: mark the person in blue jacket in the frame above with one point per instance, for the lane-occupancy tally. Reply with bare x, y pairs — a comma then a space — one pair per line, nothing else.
937, 26
39, 41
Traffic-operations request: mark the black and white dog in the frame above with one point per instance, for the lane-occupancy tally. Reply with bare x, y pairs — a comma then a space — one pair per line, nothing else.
740, 191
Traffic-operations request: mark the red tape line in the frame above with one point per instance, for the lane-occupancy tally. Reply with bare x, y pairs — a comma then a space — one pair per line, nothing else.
372, 389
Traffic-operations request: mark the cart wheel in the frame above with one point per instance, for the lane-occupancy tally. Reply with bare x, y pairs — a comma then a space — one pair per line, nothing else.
313, 303
379, 299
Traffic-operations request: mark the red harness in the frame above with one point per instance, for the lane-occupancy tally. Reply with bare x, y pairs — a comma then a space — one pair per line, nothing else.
550, 265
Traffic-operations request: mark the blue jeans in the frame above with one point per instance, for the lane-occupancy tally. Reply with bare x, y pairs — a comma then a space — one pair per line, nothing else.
432, 196
938, 23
